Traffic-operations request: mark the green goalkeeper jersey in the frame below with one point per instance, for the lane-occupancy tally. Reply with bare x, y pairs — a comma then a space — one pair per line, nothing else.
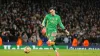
51, 22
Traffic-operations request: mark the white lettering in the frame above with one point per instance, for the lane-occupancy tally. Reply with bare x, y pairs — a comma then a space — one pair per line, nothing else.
5, 46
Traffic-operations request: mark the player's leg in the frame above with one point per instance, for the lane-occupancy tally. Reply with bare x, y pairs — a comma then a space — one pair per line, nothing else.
51, 35
50, 41
52, 38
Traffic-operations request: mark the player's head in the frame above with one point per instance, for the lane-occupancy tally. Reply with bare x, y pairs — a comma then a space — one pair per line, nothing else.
52, 10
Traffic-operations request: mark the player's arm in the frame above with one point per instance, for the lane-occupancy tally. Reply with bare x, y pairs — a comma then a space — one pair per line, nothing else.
43, 26
60, 23
62, 26
44, 22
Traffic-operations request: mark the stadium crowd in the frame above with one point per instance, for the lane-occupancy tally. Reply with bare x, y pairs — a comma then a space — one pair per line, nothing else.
24, 17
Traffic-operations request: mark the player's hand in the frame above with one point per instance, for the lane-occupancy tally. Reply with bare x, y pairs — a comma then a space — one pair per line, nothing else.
67, 32
43, 31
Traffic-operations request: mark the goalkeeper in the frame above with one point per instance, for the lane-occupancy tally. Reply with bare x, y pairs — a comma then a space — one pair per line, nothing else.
50, 23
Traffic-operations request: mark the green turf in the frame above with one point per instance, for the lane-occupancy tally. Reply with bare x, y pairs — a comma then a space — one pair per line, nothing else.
63, 52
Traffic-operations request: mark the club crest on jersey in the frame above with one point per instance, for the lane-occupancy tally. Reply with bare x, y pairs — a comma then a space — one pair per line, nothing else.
52, 18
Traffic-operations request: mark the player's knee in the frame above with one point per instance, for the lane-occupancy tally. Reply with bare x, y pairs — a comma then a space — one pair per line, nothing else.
48, 43
52, 43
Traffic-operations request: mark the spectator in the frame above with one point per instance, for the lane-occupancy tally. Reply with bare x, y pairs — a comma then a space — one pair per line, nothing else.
25, 38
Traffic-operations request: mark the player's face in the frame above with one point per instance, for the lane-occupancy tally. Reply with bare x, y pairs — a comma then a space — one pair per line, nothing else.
52, 11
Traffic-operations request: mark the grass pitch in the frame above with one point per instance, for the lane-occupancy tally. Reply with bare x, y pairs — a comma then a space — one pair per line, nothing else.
63, 52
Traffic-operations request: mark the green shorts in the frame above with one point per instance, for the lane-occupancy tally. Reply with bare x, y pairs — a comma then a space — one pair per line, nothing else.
51, 35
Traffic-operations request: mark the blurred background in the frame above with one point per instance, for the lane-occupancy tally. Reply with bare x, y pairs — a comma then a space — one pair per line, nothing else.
20, 21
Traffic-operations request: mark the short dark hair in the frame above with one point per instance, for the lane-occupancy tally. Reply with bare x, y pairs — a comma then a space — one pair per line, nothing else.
51, 8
